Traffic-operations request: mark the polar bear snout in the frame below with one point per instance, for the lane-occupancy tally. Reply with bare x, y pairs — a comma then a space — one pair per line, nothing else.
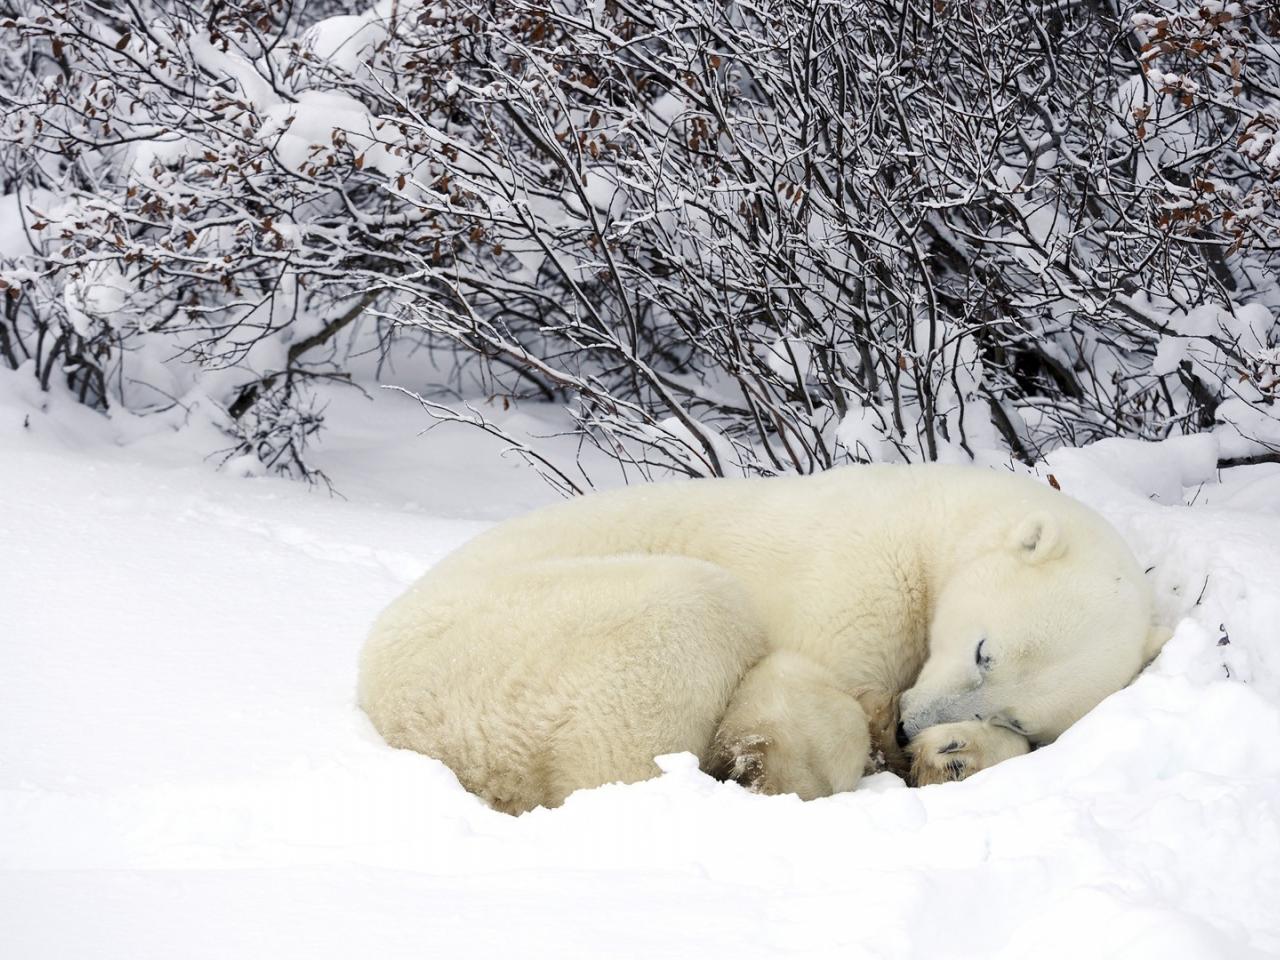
910, 728
917, 717
901, 736
913, 716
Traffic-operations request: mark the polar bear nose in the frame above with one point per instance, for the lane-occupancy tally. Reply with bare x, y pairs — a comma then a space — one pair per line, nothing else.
900, 734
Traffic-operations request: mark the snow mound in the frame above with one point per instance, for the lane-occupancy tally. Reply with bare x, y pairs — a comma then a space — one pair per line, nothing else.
183, 771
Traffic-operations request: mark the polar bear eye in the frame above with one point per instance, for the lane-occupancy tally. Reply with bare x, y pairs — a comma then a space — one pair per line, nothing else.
981, 659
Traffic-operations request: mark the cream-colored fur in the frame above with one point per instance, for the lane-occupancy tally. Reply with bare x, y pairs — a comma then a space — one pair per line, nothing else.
768, 626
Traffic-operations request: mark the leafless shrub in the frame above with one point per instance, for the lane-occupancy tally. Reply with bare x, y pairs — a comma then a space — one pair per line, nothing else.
732, 238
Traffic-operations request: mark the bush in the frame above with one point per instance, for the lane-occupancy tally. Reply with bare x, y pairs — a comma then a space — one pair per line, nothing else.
730, 238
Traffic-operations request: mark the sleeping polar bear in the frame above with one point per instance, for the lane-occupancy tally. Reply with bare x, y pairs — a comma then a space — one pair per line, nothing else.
790, 632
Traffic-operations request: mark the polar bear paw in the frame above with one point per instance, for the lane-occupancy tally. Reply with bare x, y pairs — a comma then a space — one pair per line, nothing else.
742, 760
940, 762
954, 751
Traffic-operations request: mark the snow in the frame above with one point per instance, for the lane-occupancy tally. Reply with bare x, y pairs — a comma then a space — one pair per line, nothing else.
183, 771
346, 42
14, 222
861, 432
297, 131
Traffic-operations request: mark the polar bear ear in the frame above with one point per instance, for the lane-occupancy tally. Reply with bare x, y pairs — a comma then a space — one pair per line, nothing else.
1038, 539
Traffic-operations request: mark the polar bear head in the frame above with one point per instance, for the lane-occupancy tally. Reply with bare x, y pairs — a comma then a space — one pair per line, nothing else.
1035, 630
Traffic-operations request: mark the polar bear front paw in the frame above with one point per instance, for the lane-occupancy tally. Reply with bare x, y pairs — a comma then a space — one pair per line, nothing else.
954, 751
933, 762
742, 760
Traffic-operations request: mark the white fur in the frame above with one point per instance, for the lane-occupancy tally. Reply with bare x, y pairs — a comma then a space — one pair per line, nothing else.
768, 626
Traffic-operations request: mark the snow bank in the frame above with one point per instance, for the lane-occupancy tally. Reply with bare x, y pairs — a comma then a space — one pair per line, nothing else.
183, 771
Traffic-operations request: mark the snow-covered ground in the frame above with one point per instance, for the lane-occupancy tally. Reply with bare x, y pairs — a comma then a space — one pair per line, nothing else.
183, 771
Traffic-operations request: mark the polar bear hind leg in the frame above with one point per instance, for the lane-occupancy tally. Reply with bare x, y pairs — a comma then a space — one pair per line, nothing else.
539, 679
788, 729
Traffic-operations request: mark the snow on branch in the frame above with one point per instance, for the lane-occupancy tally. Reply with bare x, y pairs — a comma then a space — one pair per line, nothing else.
728, 238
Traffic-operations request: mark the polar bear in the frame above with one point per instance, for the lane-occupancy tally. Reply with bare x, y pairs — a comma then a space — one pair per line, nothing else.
789, 631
